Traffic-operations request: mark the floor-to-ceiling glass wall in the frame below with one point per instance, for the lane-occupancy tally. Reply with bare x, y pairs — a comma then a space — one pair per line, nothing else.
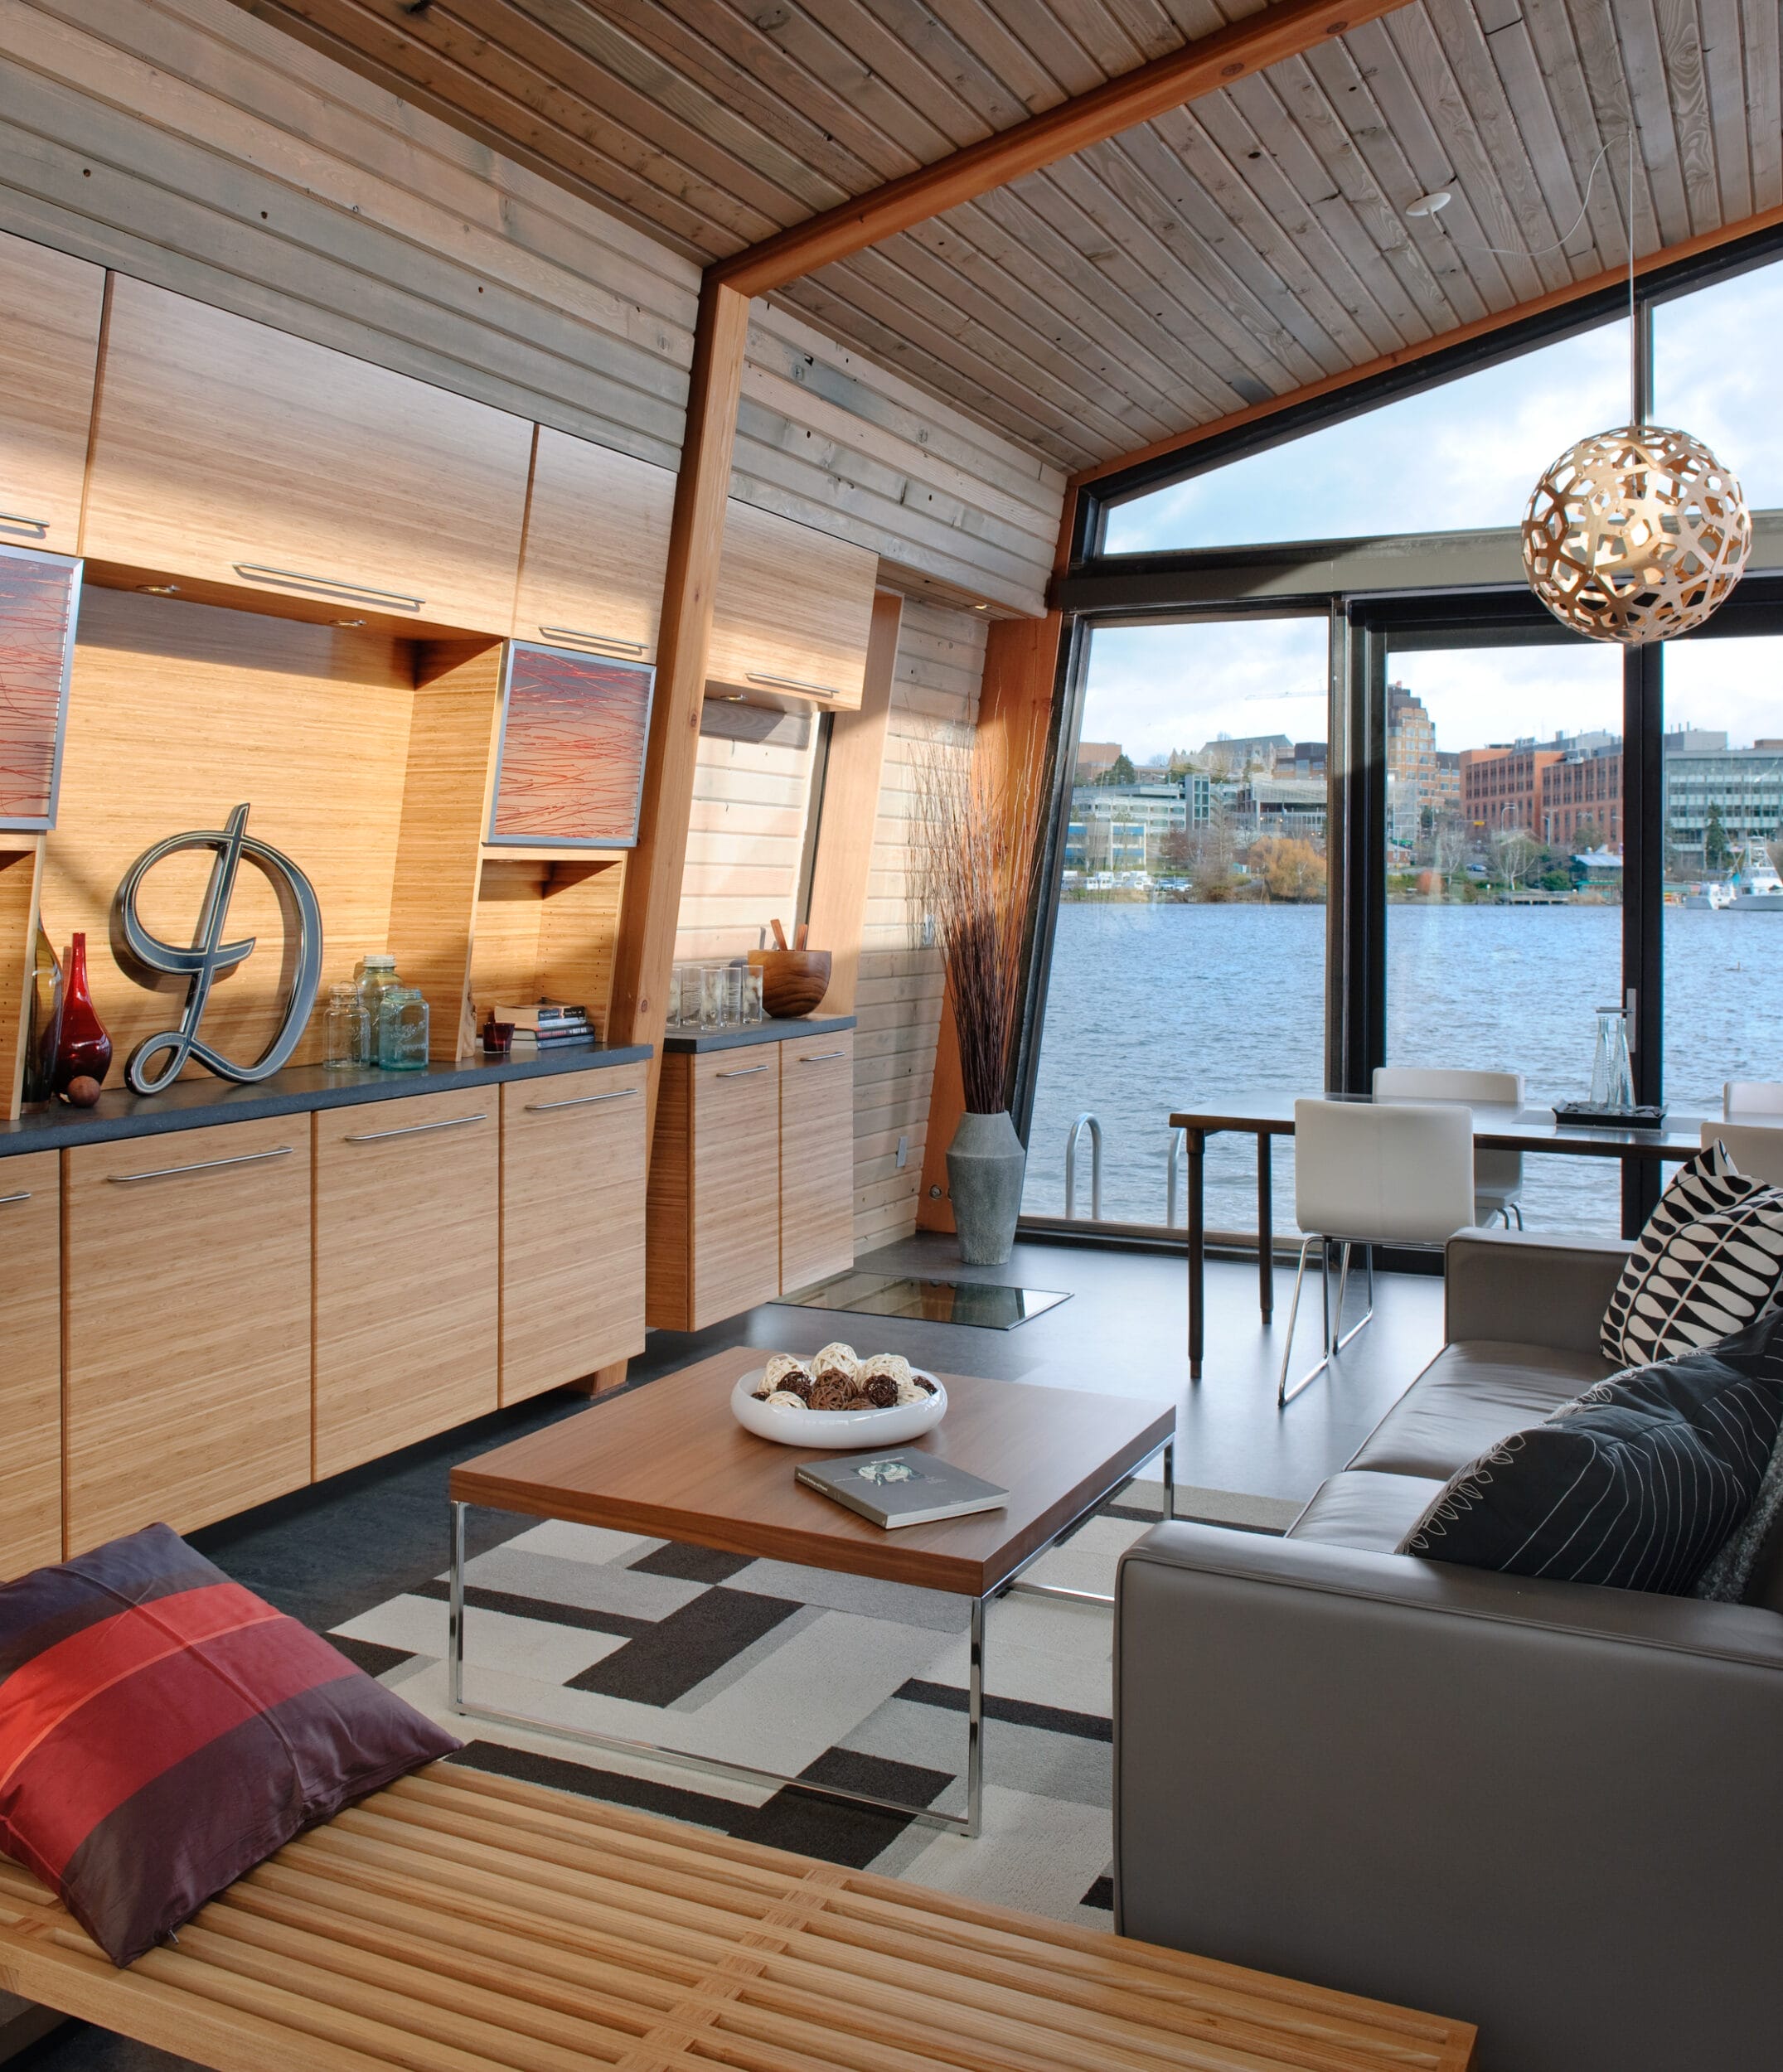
1189, 954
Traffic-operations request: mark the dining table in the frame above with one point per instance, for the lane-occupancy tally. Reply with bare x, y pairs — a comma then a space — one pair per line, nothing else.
1497, 1126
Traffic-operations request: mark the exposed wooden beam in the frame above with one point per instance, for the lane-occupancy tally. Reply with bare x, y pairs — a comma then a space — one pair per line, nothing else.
851, 780
1408, 356
1203, 66
645, 953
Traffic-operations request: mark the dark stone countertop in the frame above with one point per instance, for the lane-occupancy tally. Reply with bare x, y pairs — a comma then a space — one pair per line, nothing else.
195, 1104
698, 1041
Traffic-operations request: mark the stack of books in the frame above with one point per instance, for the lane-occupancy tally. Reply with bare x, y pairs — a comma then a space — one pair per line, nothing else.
546, 1025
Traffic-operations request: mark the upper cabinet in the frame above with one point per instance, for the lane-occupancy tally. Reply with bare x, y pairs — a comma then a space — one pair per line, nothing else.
597, 550
793, 610
49, 307
231, 454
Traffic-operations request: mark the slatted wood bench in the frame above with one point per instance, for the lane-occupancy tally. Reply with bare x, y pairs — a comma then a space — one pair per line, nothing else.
457, 1922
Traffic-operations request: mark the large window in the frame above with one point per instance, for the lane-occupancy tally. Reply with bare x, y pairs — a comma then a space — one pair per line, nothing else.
1715, 355
1190, 952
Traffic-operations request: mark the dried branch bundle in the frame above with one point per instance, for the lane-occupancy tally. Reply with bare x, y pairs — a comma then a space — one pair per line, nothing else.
978, 872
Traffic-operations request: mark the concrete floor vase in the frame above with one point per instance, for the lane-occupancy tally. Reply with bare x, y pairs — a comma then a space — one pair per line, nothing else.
985, 1164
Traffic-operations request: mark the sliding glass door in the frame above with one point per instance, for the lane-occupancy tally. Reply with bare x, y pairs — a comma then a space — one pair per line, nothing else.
1188, 957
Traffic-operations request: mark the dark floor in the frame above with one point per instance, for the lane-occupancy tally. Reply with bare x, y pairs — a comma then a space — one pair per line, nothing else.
325, 1554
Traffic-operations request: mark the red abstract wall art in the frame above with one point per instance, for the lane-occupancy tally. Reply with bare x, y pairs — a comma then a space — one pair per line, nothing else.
39, 594
571, 768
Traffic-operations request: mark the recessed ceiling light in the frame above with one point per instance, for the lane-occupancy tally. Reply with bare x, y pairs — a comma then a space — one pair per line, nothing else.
160, 589
1429, 203
346, 621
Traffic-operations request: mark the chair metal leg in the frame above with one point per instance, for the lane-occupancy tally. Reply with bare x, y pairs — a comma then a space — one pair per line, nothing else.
1284, 1394
1514, 1209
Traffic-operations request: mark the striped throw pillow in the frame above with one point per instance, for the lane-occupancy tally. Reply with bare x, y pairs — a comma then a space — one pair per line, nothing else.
1709, 1261
1638, 1482
163, 1729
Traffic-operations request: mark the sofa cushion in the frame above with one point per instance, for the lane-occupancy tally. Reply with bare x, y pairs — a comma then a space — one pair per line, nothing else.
163, 1729
1374, 1512
1709, 1261
1637, 1484
1468, 1398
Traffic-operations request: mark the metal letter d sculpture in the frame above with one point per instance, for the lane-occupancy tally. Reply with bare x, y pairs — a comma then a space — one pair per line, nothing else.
210, 955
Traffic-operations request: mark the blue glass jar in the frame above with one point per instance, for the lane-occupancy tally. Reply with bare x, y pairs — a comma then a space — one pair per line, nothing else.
402, 1029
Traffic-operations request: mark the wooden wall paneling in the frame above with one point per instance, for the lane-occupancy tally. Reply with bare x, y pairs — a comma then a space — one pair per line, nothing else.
573, 1224
510, 918
31, 1362
646, 950
851, 782
816, 1191
793, 609
49, 309
178, 713
435, 905
752, 799
668, 1277
406, 1270
228, 452
187, 1326
596, 549
578, 928
20, 870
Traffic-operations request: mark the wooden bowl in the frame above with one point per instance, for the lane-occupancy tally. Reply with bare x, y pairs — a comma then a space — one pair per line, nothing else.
793, 982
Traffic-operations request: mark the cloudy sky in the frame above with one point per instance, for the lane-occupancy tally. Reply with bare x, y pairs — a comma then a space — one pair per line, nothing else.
1460, 458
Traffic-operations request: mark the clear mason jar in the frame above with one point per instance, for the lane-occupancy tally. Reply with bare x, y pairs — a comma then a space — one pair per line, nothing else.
346, 1028
402, 1029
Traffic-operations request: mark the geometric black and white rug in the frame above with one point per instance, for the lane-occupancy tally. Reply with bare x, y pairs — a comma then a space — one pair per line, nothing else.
839, 1678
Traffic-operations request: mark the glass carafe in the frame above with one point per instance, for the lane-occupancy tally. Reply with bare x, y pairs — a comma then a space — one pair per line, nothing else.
1612, 1078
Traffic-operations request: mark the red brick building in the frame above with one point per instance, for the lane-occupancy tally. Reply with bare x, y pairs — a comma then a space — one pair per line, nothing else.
1502, 787
1583, 793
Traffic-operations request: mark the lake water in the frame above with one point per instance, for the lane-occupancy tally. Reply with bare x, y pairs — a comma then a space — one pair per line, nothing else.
1152, 1008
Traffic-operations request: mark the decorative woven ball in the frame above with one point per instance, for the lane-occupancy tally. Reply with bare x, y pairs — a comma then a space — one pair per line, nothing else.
1635, 534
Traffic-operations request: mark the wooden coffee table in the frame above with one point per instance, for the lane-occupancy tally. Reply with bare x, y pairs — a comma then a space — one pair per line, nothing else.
669, 1461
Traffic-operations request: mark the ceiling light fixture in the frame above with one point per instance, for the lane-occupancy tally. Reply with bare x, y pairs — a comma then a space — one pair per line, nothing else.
347, 622
1637, 534
1429, 203
159, 589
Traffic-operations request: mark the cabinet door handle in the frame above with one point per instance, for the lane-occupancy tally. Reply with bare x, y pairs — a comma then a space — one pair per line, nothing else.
39, 525
581, 1101
198, 1166
328, 586
746, 1071
792, 683
5, 1198
819, 1057
591, 640
415, 1129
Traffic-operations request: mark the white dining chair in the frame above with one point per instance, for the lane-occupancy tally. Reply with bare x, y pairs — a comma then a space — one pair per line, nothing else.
1750, 1097
1498, 1175
1755, 1148
1383, 1173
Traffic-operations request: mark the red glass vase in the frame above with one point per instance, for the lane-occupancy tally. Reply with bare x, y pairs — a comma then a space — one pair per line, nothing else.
83, 1049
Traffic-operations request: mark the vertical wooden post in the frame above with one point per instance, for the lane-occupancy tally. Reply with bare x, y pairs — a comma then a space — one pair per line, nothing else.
645, 954
844, 862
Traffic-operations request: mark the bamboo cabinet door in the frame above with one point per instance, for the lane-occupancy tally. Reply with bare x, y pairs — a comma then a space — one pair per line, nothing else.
736, 1181
596, 549
406, 1246
236, 454
572, 1226
817, 1159
31, 1363
49, 309
792, 610
187, 1316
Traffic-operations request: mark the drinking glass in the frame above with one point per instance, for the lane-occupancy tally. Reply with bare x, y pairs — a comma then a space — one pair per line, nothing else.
735, 994
752, 1009
711, 996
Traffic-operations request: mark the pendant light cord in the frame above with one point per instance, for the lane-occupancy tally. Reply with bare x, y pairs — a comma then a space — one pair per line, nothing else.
1523, 251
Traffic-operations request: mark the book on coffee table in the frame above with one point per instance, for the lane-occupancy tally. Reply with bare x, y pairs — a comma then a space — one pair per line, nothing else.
901, 1488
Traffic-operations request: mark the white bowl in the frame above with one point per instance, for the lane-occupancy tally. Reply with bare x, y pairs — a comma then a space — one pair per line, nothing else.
836, 1428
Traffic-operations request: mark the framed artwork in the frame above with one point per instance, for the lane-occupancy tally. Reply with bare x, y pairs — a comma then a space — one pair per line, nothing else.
569, 769
40, 597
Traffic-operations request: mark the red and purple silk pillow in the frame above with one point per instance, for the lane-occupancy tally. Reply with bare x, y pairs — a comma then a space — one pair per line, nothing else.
163, 1729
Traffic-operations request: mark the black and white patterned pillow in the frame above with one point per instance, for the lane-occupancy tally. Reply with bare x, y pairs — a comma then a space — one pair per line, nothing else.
1709, 1261
1638, 1482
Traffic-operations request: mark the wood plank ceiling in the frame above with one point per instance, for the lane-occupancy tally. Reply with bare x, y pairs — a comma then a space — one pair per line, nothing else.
1233, 251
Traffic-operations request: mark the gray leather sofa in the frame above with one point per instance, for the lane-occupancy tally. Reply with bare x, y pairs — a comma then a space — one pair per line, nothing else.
1551, 1809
